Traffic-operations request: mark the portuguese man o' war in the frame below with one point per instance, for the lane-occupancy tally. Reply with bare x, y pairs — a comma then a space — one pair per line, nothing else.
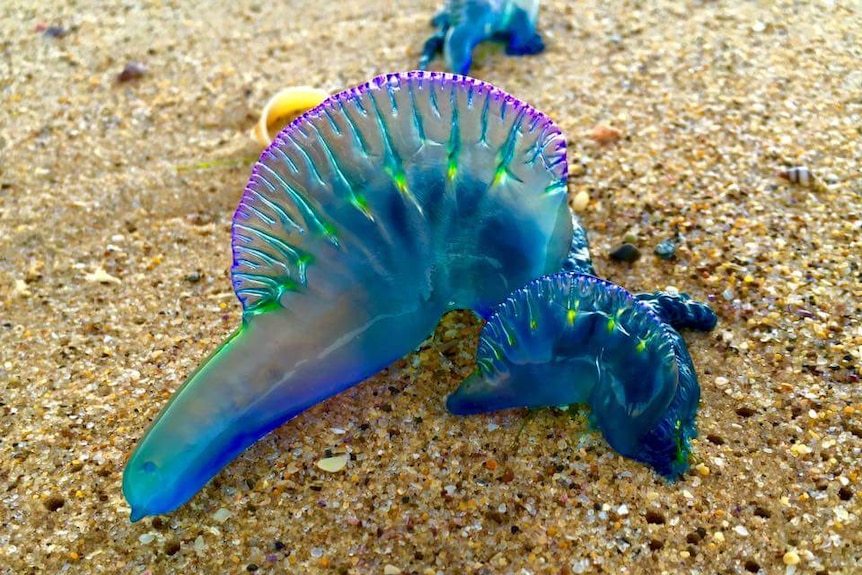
364, 221
463, 24
571, 338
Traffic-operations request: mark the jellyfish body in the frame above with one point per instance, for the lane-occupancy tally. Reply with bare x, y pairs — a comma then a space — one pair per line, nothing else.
366, 219
571, 338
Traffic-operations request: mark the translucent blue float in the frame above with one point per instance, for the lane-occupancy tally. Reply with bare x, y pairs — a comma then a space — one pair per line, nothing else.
366, 219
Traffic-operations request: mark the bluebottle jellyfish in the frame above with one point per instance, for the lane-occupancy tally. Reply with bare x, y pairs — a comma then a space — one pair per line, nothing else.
463, 24
571, 338
364, 221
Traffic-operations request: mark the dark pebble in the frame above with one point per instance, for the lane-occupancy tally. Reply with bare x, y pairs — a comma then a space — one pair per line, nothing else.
845, 493
762, 512
628, 253
56, 32
715, 439
752, 566
515, 529
655, 517
745, 411
656, 544
251, 568
54, 503
278, 545
172, 547
666, 250
132, 71
495, 516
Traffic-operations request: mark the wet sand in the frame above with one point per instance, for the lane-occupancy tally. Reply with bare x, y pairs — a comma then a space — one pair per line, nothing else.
115, 209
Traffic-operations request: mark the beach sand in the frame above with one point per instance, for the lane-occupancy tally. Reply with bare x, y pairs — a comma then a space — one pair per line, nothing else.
115, 208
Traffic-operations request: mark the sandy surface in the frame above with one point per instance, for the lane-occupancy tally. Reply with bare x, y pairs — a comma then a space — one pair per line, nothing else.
712, 98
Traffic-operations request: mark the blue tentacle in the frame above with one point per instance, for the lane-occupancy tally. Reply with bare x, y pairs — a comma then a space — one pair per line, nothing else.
680, 310
571, 338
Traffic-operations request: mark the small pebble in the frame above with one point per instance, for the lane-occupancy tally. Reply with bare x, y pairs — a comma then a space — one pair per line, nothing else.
628, 253
391, 570
741, 531
791, 557
221, 515
20, 289
580, 202
54, 503
146, 538
655, 517
99, 275
172, 548
334, 464
656, 544
132, 71
666, 250
56, 32
604, 135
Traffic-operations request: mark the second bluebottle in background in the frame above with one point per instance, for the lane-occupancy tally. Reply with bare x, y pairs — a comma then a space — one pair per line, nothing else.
463, 24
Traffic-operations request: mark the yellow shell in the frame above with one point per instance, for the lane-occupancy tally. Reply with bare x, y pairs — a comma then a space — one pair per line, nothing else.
283, 108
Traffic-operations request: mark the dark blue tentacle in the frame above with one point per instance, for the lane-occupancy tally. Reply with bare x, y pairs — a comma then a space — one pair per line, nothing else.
572, 338
680, 310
